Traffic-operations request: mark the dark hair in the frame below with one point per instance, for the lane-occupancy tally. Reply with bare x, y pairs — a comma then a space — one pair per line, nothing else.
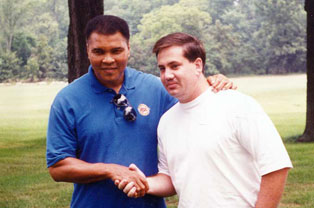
192, 47
107, 25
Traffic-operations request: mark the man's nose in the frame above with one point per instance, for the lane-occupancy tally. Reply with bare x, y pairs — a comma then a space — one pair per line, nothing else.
107, 59
168, 74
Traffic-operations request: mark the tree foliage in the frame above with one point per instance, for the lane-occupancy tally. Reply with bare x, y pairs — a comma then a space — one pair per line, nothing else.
240, 36
32, 39
162, 21
281, 36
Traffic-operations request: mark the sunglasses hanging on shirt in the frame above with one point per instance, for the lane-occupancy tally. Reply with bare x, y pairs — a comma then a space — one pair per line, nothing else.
129, 113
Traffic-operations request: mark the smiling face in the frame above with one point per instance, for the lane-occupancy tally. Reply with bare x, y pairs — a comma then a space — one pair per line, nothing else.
179, 76
108, 55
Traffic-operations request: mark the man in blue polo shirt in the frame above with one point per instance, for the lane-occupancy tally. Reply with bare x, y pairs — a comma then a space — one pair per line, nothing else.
106, 120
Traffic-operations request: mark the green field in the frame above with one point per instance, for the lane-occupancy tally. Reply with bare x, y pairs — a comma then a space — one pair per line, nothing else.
24, 108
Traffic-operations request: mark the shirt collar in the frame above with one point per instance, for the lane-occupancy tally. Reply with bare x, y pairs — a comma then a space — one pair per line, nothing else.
128, 82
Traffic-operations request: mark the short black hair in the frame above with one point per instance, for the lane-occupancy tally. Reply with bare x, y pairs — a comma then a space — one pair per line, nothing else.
107, 25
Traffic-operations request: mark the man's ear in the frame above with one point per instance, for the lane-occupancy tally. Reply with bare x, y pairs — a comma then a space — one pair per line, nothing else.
199, 65
129, 49
87, 50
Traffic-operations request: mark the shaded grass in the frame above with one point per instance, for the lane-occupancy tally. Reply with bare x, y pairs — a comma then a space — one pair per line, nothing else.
24, 179
282, 97
24, 108
284, 100
299, 191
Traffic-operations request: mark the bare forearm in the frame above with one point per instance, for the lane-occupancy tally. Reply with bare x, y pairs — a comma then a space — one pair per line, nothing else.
78, 171
161, 185
272, 187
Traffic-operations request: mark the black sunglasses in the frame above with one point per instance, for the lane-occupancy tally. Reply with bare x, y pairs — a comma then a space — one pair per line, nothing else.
121, 101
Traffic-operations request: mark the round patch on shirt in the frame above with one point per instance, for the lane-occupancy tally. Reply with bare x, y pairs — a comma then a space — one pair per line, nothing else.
143, 109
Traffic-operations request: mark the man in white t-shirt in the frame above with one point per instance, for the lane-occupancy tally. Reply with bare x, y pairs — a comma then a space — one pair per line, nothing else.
215, 150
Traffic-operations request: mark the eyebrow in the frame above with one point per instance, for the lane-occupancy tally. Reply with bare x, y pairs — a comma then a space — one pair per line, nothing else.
173, 62
170, 63
117, 48
97, 49
112, 49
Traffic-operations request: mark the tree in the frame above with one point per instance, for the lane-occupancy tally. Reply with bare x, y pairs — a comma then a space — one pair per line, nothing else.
218, 7
8, 66
159, 22
130, 10
80, 11
280, 39
12, 15
308, 135
244, 23
22, 44
133, 10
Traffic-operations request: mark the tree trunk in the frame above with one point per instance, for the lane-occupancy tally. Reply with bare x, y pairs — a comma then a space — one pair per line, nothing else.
80, 11
308, 135
9, 43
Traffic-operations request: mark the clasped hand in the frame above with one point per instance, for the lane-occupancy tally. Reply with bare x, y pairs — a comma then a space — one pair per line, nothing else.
131, 188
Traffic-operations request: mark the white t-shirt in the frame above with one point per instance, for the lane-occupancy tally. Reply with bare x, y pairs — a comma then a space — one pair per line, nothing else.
216, 148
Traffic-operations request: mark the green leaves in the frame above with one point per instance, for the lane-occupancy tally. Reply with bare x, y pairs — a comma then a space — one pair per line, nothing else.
240, 36
159, 22
32, 39
281, 35
8, 66
243, 36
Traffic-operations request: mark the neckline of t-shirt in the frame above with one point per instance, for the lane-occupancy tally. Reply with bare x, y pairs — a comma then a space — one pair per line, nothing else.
197, 100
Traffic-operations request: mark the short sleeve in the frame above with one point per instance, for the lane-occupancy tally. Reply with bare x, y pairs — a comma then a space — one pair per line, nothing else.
162, 159
61, 136
258, 135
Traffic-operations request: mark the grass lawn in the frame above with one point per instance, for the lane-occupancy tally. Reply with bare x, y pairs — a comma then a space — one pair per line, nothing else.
24, 108
284, 99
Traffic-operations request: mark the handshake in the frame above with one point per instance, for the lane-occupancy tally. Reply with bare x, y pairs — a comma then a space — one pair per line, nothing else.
133, 184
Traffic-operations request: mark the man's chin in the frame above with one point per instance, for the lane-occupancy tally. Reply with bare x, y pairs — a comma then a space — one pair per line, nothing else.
109, 79
173, 93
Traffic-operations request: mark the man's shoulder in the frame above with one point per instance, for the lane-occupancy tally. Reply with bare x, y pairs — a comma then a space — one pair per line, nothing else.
142, 77
235, 101
151, 86
73, 89
170, 114
231, 94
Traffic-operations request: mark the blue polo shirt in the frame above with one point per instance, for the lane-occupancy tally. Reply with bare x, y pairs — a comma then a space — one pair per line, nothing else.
85, 124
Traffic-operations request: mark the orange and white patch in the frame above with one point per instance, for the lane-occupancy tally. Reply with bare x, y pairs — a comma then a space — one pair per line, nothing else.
143, 109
